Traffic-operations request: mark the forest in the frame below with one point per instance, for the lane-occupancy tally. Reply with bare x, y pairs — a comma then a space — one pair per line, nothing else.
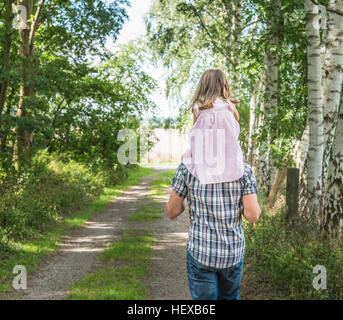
64, 97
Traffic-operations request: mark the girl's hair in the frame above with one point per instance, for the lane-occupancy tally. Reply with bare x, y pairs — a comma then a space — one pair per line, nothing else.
212, 85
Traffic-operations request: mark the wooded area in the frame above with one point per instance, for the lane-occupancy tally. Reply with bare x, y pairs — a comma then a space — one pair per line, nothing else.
284, 62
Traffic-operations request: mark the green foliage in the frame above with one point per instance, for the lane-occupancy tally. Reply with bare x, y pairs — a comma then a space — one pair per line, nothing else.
192, 36
163, 123
36, 197
25, 244
83, 94
286, 256
33, 199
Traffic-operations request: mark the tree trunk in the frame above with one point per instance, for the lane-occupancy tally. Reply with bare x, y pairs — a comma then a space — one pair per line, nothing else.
301, 153
233, 9
7, 129
24, 135
333, 201
253, 124
316, 129
273, 93
332, 78
267, 164
263, 172
6, 54
278, 186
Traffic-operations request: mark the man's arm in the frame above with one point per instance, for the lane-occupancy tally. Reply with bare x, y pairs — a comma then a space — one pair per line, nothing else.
175, 205
252, 209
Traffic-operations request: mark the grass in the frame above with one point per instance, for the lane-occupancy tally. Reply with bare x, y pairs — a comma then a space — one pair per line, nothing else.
30, 252
144, 216
159, 186
126, 265
281, 259
146, 209
147, 213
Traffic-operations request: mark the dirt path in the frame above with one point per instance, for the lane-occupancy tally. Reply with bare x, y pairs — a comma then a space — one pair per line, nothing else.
167, 276
77, 254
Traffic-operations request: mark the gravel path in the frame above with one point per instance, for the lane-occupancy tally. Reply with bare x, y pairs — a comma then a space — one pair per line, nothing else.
76, 256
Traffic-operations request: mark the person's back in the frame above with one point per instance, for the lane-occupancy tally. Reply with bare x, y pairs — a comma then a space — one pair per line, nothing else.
215, 211
215, 246
218, 193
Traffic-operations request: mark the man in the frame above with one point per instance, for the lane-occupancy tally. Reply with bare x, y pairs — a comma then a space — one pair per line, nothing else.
215, 248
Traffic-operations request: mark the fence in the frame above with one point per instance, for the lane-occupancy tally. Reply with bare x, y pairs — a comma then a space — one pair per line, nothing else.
169, 146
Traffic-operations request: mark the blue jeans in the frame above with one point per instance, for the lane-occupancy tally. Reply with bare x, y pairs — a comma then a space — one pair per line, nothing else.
207, 283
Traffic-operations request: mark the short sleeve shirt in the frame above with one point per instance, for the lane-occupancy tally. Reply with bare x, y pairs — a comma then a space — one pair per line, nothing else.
216, 236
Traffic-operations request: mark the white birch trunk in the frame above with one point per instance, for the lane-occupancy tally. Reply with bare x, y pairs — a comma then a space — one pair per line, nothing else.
300, 156
271, 98
333, 201
233, 10
316, 128
263, 172
332, 78
253, 124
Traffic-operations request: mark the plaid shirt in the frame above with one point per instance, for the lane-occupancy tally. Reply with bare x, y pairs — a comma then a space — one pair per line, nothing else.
216, 236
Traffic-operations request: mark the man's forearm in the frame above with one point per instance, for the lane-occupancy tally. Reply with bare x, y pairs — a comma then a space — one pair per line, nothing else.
175, 206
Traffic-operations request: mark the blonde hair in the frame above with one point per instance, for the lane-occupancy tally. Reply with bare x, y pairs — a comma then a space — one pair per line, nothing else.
212, 85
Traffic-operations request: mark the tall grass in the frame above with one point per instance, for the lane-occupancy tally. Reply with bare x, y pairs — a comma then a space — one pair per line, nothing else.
286, 256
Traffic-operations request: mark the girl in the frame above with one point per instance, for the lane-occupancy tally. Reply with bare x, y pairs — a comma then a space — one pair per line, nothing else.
214, 155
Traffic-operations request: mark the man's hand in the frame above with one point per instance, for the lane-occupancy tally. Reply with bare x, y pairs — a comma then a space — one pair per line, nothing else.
252, 209
175, 205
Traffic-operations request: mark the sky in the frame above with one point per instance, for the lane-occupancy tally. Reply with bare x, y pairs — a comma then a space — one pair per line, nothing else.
133, 29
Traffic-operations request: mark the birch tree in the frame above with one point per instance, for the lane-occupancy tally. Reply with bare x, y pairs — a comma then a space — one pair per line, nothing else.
267, 169
254, 124
315, 120
233, 20
332, 76
333, 129
300, 156
333, 202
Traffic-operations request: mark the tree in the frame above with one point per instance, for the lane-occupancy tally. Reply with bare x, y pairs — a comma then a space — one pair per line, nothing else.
325, 62
333, 202
57, 30
315, 96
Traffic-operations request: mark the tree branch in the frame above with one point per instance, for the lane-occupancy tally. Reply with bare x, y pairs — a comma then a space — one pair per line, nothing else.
209, 34
340, 13
35, 22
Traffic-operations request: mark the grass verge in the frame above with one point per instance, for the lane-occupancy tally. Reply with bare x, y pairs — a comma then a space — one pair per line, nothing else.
159, 185
30, 252
126, 265
157, 190
282, 259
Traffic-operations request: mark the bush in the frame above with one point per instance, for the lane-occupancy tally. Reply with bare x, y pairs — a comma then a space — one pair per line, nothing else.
52, 187
288, 255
